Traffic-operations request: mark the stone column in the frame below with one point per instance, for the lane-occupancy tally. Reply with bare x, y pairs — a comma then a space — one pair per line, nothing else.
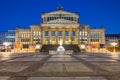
42, 35
78, 34
45, 19
71, 35
31, 37
56, 35
49, 35
63, 36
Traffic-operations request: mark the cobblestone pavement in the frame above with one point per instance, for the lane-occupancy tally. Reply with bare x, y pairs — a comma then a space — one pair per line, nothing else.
37, 66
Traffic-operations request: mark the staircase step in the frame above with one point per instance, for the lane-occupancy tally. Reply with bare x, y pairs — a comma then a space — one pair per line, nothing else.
46, 48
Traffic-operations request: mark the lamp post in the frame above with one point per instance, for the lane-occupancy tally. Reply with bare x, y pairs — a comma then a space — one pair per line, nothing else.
114, 44
82, 47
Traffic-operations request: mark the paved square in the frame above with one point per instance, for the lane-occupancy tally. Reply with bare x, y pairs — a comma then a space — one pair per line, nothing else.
59, 67
5, 58
51, 67
13, 67
63, 56
4, 77
62, 67
67, 78
112, 66
77, 67
39, 56
83, 55
98, 59
62, 59
26, 59
57, 58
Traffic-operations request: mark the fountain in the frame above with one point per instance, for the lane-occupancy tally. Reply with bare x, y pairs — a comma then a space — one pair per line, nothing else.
61, 49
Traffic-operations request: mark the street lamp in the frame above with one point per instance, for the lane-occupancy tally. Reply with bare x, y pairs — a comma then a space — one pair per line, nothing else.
82, 46
114, 44
37, 46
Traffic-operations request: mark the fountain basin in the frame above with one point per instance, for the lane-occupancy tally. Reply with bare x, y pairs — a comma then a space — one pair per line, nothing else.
60, 50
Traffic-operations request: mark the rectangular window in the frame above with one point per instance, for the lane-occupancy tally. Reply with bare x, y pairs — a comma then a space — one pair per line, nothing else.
85, 33
60, 33
72, 18
66, 33
73, 33
94, 36
53, 33
46, 33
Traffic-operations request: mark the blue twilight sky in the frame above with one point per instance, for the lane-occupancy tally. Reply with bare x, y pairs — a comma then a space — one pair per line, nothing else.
92, 12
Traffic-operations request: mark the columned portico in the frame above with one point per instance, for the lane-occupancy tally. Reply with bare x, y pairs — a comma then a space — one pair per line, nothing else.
54, 35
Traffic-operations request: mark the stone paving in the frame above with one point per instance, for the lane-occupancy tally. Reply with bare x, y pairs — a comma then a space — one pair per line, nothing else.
26, 59
4, 77
98, 59
61, 67
108, 64
111, 67
67, 78
12, 68
37, 66
62, 59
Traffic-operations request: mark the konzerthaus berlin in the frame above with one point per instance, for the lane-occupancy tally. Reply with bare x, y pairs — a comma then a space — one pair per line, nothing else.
60, 25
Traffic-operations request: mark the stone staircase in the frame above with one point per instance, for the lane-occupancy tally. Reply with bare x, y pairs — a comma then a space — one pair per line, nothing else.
46, 48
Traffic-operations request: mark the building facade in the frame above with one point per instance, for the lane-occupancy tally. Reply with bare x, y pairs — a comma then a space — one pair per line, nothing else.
110, 38
7, 40
8, 36
60, 25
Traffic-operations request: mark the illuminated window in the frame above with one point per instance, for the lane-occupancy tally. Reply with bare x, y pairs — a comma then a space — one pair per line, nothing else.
66, 33
60, 33
46, 33
53, 33
73, 33
39, 33
85, 33
80, 33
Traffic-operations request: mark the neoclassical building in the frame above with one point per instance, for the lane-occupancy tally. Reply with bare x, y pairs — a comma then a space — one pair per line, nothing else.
60, 25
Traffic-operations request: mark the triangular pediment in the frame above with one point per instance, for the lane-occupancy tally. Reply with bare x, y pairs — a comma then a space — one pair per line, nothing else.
60, 12
60, 21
